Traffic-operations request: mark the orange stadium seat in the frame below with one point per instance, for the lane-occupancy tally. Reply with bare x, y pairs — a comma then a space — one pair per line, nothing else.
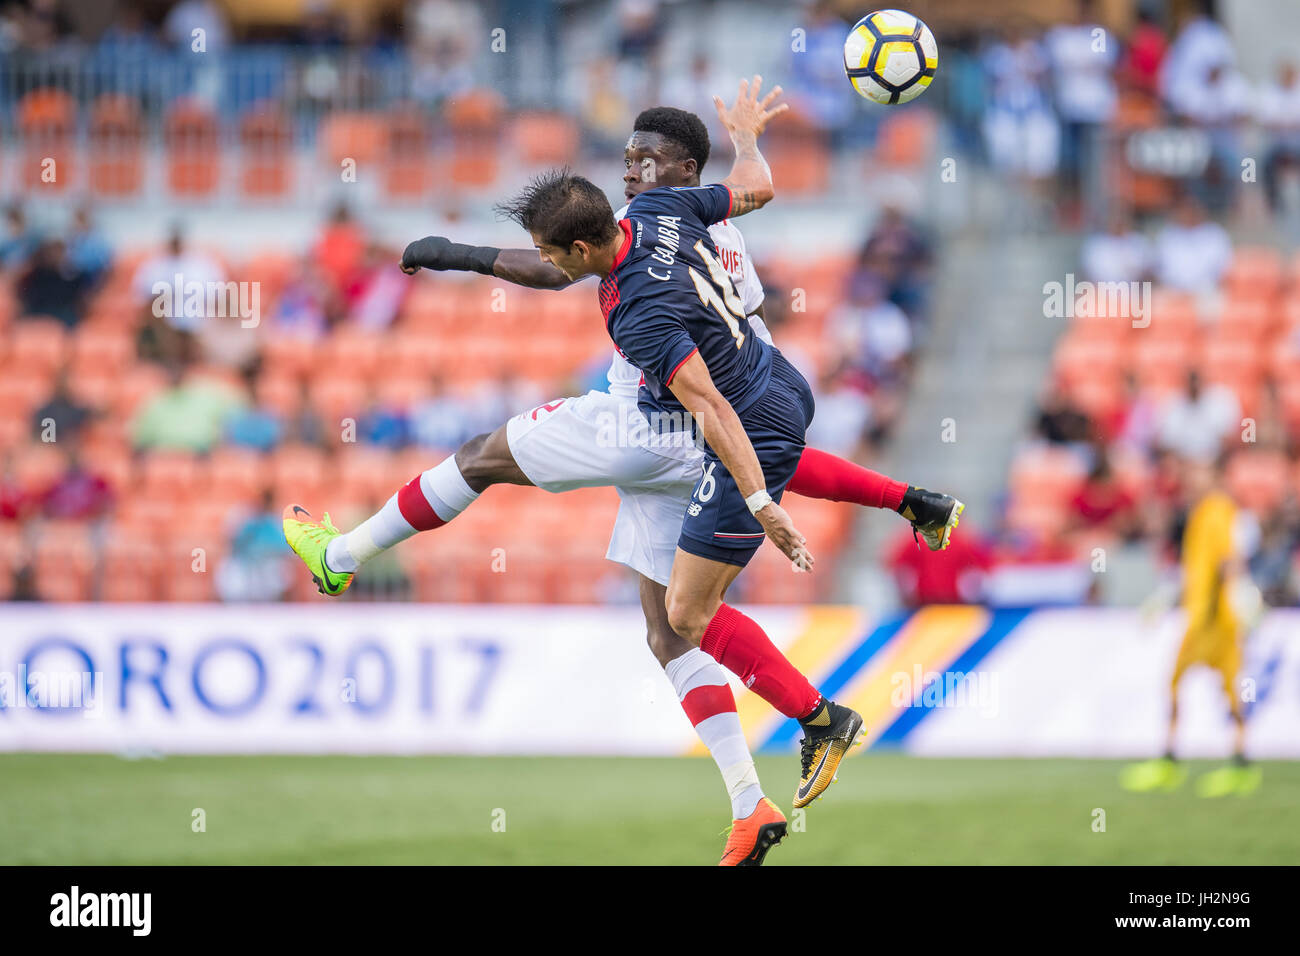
417, 353
362, 353
1256, 272
41, 344
288, 355
409, 159
352, 135
13, 428
906, 138
236, 474
114, 464
360, 473
8, 308
266, 153
798, 153
136, 385
474, 121
116, 139
22, 390
13, 556
403, 391
46, 123
298, 473
171, 475
1288, 391
1249, 318
336, 396
1045, 475
38, 465
1289, 311
128, 546
272, 269
279, 393
1043, 520
1260, 477
1231, 355
192, 140
1083, 356
1161, 363
545, 139
1172, 314
103, 346
63, 561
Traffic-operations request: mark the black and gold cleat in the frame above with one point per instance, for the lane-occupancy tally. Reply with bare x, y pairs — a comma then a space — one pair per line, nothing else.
828, 734
933, 516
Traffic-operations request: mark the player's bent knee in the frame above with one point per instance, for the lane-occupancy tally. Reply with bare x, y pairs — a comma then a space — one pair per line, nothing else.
479, 464
687, 620
666, 644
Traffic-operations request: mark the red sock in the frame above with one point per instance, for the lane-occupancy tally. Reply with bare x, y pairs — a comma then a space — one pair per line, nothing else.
820, 475
740, 645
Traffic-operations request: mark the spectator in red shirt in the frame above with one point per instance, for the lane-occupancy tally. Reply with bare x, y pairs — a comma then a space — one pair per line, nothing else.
952, 576
1146, 51
1103, 503
15, 503
78, 493
340, 250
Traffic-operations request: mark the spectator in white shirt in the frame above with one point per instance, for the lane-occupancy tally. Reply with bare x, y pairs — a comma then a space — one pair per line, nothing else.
873, 334
1201, 44
1083, 57
1277, 110
1120, 254
171, 313
1020, 129
1196, 424
1192, 253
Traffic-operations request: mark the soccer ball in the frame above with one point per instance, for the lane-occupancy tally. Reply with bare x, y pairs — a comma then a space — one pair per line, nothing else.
890, 57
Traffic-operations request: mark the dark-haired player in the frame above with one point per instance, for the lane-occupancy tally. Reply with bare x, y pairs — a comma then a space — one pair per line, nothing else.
564, 444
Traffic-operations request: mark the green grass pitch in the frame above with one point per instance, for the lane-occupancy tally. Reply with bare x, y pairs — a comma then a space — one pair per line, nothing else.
886, 808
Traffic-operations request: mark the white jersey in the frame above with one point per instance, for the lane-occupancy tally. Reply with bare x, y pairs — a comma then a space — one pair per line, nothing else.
625, 378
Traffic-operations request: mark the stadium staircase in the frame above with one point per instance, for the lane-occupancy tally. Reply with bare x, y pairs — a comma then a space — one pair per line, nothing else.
986, 355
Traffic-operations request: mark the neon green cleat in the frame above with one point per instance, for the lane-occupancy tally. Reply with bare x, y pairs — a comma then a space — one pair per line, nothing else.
1227, 780
309, 539
1149, 775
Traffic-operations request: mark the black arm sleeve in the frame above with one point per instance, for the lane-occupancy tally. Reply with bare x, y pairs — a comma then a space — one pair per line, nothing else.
443, 255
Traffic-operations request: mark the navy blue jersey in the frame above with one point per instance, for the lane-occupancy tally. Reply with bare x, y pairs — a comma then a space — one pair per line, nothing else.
669, 297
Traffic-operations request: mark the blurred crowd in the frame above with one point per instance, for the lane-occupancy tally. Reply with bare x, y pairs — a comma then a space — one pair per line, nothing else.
1035, 103
1038, 103
208, 385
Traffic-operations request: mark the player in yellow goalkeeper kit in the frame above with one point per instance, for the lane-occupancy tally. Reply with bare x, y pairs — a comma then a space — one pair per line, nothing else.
1213, 637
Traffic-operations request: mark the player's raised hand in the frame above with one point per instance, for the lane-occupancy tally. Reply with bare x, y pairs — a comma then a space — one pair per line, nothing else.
782, 533
749, 114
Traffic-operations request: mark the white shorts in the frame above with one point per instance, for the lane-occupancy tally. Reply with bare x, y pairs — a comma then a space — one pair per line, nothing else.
599, 440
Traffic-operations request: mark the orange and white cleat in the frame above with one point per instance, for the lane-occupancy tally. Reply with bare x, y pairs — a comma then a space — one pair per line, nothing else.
752, 837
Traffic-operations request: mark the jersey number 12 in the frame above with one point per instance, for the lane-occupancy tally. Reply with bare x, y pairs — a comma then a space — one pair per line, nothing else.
727, 304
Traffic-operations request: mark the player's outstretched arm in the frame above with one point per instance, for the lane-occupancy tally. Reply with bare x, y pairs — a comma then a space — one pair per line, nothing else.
520, 266
722, 429
750, 179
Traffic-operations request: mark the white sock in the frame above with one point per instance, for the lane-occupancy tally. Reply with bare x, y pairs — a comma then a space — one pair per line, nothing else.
719, 728
426, 502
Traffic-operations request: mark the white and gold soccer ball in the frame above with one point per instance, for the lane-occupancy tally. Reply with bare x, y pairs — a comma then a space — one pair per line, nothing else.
890, 57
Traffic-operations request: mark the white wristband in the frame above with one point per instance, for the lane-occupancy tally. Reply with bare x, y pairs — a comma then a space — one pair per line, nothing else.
758, 501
